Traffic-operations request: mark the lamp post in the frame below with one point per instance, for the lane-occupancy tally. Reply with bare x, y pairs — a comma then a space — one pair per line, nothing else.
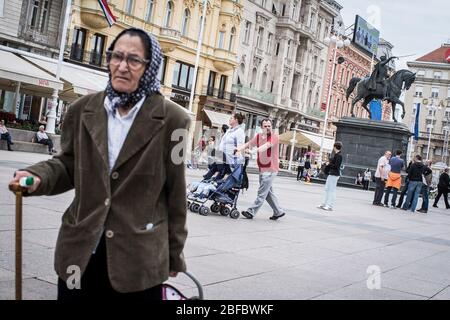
337, 41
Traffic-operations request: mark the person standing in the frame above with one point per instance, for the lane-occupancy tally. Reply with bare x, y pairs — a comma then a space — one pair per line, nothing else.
126, 227
443, 187
366, 179
405, 187
394, 179
300, 168
333, 169
5, 135
380, 177
234, 137
415, 174
268, 164
427, 179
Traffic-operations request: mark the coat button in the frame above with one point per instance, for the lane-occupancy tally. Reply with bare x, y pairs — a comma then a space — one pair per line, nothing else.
107, 202
109, 234
115, 175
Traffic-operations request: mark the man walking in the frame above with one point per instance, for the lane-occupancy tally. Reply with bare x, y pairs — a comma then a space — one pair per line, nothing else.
394, 179
267, 148
426, 184
333, 169
300, 168
443, 185
380, 176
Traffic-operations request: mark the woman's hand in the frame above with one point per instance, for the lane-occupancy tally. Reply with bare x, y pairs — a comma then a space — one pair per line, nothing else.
20, 174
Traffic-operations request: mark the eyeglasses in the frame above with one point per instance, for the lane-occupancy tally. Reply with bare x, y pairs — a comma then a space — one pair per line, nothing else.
133, 61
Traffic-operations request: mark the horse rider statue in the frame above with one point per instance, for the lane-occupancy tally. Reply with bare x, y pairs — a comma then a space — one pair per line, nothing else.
380, 75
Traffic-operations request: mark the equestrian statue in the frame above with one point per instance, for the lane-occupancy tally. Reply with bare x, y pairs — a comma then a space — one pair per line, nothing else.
379, 86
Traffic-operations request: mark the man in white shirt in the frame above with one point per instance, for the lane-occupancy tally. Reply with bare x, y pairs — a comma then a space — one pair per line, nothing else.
381, 176
43, 138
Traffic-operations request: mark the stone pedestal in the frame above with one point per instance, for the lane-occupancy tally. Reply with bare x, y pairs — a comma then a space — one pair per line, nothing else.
365, 141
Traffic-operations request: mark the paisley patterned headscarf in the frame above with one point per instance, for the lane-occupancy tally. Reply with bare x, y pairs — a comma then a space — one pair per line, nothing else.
149, 82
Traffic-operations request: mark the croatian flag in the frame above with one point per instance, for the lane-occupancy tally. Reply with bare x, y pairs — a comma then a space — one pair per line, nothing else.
107, 12
416, 123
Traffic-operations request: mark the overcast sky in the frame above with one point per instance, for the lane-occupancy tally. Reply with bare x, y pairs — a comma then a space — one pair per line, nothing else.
412, 26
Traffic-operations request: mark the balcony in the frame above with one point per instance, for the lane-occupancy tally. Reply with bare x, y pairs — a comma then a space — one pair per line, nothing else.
224, 60
49, 38
169, 39
286, 22
305, 31
259, 53
253, 94
220, 94
92, 15
87, 57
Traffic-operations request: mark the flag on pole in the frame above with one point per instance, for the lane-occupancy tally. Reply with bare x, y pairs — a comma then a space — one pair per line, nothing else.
416, 123
107, 12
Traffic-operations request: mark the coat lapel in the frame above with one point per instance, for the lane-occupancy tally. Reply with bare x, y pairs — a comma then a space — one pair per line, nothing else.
96, 122
147, 123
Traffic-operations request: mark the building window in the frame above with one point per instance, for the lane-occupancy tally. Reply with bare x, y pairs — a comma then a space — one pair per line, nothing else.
448, 93
78, 43
278, 49
222, 86
221, 39
2, 4
437, 75
248, 26
129, 7
283, 11
269, 42
183, 75
271, 86
232, 36
44, 15
263, 3
288, 49
435, 93
293, 12
419, 92
162, 69
185, 22
97, 46
149, 11
39, 14
259, 38
168, 16
211, 83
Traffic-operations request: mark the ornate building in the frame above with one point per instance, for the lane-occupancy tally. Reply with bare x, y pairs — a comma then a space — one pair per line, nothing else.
431, 88
176, 24
282, 62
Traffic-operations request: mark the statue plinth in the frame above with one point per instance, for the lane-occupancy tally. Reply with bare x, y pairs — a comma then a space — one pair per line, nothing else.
365, 141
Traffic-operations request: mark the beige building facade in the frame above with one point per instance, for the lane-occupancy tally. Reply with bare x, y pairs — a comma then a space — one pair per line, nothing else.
432, 91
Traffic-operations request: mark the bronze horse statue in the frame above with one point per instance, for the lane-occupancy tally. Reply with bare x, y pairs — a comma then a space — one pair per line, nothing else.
395, 84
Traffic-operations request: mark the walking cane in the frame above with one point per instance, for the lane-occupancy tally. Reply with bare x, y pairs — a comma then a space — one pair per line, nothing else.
18, 189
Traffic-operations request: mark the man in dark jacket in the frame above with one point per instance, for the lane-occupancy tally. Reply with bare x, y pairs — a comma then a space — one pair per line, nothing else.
426, 185
415, 174
333, 169
443, 185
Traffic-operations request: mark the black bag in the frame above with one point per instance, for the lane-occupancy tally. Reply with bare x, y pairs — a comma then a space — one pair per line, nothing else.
326, 170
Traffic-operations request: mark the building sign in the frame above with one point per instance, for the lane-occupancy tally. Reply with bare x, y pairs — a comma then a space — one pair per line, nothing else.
366, 36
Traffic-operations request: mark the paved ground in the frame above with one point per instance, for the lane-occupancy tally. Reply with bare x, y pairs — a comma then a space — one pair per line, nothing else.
308, 254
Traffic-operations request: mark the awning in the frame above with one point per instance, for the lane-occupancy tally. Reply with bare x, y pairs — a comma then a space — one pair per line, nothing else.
15, 69
217, 118
80, 79
304, 139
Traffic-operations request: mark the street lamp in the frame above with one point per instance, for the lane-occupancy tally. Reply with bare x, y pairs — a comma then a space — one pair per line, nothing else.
339, 41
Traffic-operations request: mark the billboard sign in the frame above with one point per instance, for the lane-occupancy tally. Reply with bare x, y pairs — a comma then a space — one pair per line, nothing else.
366, 36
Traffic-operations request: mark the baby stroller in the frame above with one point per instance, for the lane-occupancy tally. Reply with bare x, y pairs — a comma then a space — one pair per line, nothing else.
224, 195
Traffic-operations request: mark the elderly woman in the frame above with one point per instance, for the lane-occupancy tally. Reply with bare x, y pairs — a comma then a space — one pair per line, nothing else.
126, 227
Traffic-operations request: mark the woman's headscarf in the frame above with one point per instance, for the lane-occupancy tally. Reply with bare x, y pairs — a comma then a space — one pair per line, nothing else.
149, 82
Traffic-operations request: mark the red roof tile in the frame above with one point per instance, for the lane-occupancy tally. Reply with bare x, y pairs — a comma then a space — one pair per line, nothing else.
437, 55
